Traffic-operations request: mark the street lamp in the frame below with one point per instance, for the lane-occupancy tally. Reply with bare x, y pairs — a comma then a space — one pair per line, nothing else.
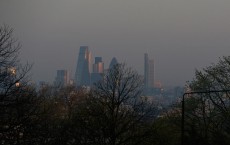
182, 109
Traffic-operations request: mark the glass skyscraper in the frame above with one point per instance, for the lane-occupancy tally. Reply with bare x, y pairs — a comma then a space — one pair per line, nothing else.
149, 72
62, 78
113, 62
82, 75
98, 70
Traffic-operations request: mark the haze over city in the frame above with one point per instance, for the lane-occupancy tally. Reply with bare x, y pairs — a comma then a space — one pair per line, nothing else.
179, 35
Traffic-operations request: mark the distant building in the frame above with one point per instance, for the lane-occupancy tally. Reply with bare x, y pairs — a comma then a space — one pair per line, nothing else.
62, 78
158, 84
82, 74
42, 85
98, 70
113, 62
148, 73
98, 66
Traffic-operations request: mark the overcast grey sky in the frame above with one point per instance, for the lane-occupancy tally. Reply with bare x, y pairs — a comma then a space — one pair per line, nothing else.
180, 35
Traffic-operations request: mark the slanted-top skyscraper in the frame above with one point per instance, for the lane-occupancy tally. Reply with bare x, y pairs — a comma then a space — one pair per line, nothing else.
82, 75
149, 72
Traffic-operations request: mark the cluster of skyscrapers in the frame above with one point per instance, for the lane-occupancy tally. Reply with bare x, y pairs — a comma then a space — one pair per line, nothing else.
87, 73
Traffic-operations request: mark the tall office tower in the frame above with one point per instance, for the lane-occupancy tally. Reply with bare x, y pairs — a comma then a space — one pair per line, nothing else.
62, 78
98, 66
98, 70
149, 72
90, 61
82, 75
113, 62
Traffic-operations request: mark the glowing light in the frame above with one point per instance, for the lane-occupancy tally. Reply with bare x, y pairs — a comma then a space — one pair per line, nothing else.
12, 71
17, 84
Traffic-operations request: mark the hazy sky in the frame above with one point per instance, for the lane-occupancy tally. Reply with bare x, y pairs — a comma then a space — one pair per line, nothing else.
180, 35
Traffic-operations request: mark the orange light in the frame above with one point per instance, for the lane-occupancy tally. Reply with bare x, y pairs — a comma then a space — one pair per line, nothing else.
17, 84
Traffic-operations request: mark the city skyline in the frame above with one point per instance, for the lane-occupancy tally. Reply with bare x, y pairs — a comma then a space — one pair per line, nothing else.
180, 35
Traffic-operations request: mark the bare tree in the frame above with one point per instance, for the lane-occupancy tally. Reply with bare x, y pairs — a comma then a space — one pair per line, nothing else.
114, 112
9, 47
17, 97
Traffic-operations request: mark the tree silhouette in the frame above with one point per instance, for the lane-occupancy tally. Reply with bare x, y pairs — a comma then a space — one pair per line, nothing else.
17, 98
114, 112
208, 114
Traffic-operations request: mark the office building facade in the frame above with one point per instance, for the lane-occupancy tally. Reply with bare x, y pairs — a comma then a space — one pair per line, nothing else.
148, 72
62, 78
98, 70
82, 74
113, 63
